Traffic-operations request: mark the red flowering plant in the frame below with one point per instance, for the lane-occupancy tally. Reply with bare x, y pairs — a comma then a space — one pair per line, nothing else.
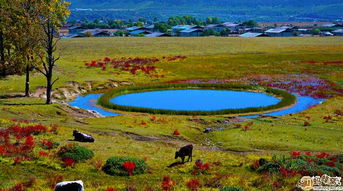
167, 183
21, 186
129, 166
18, 142
193, 184
49, 144
200, 168
132, 65
176, 132
302, 164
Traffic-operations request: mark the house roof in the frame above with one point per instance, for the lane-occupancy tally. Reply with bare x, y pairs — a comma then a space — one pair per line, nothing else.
212, 25
156, 34
76, 27
150, 26
299, 24
190, 30
137, 32
338, 31
183, 27
251, 34
230, 24
135, 28
329, 25
276, 30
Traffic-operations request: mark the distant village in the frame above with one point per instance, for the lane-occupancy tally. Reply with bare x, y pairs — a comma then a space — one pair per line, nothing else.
226, 29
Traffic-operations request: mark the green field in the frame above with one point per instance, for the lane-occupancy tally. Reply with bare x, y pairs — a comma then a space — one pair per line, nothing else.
230, 152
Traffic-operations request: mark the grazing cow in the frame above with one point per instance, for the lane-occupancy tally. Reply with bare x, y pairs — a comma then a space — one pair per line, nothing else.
82, 137
183, 152
70, 186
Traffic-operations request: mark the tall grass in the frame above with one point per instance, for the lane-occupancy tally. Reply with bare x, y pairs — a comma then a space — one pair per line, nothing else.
287, 98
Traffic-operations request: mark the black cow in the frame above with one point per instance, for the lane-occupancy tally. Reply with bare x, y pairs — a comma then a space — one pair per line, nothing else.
82, 137
70, 186
183, 152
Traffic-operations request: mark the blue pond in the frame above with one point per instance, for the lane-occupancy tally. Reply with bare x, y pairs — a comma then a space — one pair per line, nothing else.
195, 100
89, 103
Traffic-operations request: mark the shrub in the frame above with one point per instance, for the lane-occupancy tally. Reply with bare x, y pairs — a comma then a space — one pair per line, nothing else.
230, 188
193, 184
75, 152
124, 166
304, 164
167, 183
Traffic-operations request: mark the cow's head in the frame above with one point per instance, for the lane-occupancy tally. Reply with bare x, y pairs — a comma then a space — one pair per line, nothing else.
176, 154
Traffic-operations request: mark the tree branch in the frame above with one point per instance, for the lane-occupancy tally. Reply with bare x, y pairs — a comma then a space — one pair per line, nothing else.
55, 81
39, 70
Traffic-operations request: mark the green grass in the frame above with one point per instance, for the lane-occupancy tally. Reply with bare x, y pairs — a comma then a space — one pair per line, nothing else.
207, 58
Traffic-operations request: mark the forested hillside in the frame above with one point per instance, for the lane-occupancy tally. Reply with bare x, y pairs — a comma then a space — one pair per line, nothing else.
262, 10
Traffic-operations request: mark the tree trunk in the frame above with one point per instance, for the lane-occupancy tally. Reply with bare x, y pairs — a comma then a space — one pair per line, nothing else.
2, 55
48, 88
27, 81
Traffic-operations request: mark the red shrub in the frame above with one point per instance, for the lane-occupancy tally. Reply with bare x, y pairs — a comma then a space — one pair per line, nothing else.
17, 160
110, 189
43, 154
193, 184
295, 154
306, 123
176, 132
167, 183
98, 165
245, 128
30, 141
322, 155
153, 118
339, 112
69, 162
129, 166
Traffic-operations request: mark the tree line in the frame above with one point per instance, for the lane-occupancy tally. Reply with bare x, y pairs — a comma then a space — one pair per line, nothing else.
28, 38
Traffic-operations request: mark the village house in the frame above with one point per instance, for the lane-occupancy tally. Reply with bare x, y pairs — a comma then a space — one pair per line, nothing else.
76, 29
157, 34
252, 34
292, 24
338, 32
283, 31
187, 30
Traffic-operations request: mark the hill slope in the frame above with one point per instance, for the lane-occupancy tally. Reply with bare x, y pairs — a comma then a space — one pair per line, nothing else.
234, 10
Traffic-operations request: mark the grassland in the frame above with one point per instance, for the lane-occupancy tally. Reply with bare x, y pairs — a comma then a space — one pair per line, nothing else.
136, 135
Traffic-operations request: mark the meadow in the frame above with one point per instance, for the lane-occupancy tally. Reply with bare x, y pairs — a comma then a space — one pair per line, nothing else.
311, 66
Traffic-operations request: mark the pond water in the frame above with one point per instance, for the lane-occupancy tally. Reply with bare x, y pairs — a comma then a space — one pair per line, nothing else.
88, 102
195, 100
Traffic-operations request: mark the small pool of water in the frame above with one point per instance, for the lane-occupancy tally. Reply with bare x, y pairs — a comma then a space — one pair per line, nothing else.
195, 100
88, 102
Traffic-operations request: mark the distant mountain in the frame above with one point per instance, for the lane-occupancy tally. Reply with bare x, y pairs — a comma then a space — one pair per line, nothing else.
321, 9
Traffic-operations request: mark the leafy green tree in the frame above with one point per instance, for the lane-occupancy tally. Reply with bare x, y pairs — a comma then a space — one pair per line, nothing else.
139, 24
53, 14
162, 27
27, 39
250, 23
316, 31
8, 33
210, 32
225, 32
